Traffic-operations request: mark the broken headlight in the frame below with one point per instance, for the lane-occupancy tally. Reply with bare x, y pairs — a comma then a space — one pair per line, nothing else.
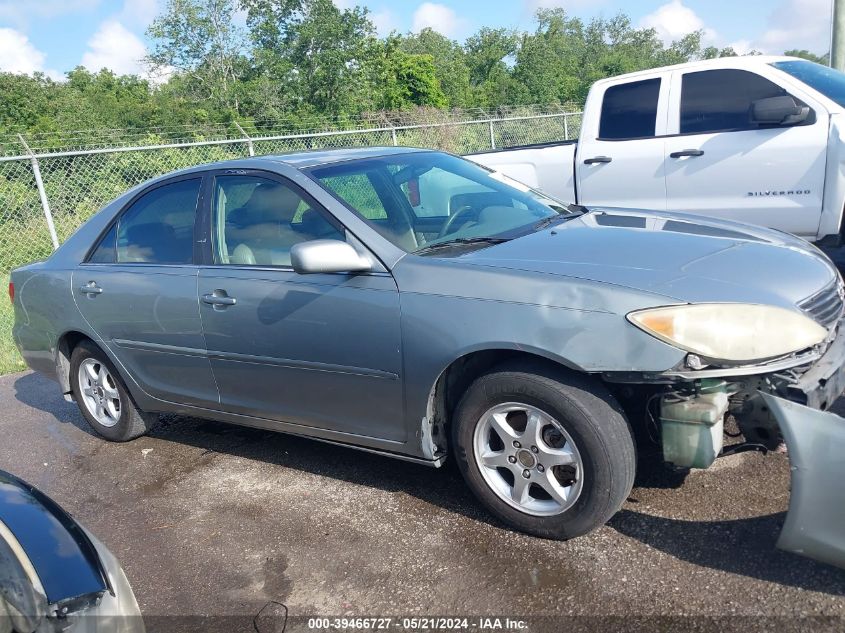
734, 332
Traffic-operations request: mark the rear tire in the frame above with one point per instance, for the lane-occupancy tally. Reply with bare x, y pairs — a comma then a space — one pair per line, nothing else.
102, 396
546, 451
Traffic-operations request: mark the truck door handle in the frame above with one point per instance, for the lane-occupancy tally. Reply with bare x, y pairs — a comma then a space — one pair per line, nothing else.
219, 299
687, 152
597, 159
91, 288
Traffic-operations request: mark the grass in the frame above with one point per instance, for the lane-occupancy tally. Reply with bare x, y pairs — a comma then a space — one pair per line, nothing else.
10, 359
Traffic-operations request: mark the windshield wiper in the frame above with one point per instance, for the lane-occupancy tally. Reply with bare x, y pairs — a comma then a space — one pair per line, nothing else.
555, 219
460, 241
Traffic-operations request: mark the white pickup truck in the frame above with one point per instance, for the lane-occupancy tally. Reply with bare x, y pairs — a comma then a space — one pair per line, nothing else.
758, 139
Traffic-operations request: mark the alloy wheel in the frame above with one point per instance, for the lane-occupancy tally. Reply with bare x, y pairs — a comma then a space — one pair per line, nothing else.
528, 459
99, 392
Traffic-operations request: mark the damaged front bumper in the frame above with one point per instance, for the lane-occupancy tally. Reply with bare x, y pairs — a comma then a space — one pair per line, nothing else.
815, 523
824, 381
691, 407
781, 401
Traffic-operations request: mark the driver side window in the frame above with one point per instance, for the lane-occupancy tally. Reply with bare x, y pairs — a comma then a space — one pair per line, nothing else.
257, 221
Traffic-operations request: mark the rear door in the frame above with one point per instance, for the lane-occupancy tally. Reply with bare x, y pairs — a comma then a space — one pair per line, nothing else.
619, 161
721, 164
138, 292
319, 350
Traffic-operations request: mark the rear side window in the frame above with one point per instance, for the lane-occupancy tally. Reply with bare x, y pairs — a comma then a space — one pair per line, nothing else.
106, 253
630, 110
158, 228
720, 100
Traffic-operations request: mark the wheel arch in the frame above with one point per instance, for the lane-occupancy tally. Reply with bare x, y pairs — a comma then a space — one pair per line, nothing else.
65, 345
456, 377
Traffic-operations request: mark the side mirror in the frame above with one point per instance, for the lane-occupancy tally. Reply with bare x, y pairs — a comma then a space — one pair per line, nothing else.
327, 256
778, 111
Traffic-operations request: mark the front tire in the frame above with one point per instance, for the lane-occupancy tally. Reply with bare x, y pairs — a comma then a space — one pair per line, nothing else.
102, 396
548, 452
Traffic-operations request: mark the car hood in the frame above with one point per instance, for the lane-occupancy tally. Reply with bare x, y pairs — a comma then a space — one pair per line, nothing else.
682, 257
52, 569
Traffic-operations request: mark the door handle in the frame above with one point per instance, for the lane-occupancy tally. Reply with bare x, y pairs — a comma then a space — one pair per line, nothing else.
597, 159
91, 288
687, 152
219, 298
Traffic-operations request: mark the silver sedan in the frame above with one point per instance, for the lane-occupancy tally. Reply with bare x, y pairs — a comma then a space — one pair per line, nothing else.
414, 304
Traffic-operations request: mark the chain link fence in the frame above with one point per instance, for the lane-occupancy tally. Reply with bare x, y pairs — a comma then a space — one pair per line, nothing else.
46, 195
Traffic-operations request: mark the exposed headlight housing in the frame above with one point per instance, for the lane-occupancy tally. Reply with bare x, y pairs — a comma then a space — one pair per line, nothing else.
733, 332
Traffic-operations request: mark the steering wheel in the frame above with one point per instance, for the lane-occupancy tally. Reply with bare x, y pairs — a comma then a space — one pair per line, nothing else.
453, 219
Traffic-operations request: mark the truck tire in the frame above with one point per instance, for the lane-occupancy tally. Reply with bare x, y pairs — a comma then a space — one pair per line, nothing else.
102, 396
547, 451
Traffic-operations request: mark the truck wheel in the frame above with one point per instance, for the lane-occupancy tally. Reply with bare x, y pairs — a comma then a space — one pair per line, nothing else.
548, 452
102, 396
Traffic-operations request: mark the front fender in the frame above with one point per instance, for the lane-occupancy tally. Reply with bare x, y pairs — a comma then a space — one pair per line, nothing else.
815, 523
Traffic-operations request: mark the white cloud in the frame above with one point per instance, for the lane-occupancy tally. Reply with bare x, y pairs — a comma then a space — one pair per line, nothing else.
741, 47
385, 21
797, 24
19, 55
115, 47
674, 20
438, 17
569, 5
20, 13
139, 14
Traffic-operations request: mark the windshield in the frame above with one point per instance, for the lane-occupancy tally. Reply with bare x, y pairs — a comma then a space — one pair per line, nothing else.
423, 199
829, 82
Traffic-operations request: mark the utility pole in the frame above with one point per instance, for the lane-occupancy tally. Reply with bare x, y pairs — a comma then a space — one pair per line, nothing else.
837, 45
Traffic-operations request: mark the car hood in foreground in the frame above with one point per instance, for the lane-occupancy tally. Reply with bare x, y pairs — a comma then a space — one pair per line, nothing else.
51, 565
684, 257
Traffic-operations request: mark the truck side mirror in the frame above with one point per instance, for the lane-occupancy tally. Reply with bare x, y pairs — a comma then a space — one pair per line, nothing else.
781, 110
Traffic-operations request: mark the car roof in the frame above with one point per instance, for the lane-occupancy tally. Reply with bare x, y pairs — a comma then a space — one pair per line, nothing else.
304, 160
297, 160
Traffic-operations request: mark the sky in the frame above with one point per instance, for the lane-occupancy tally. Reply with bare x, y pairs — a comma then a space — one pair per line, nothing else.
54, 36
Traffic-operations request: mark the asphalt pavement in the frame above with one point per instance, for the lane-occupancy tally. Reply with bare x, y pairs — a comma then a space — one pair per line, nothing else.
210, 519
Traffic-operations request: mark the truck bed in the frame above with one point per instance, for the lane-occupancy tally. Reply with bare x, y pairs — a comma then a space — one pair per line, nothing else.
552, 164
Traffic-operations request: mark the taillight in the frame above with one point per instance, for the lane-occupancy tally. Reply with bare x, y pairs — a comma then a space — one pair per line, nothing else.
12, 291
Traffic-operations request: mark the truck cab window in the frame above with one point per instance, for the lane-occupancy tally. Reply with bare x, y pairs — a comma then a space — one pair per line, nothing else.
629, 110
720, 100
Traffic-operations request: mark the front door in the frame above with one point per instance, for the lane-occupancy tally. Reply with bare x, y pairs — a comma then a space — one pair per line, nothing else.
138, 292
721, 164
317, 350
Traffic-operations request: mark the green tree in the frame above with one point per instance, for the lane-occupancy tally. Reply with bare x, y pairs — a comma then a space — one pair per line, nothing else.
449, 62
300, 58
547, 67
394, 79
24, 100
487, 55
200, 40
312, 48
805, 54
